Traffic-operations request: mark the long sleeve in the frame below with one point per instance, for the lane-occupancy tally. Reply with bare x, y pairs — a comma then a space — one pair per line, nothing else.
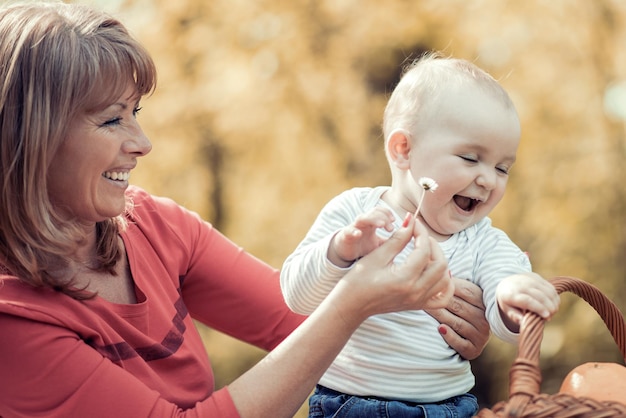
222, 285
307, 276
485, 255
498, 257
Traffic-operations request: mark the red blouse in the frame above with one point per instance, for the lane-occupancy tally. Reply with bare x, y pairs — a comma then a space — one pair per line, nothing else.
64, 357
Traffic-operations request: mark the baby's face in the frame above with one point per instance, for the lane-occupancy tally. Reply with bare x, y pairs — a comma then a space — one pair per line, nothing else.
468, 145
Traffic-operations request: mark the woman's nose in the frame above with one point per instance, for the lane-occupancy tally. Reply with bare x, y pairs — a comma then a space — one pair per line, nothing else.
137, 142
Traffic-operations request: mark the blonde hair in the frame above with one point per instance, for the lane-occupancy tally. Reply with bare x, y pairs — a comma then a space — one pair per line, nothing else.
421, 85
56, 61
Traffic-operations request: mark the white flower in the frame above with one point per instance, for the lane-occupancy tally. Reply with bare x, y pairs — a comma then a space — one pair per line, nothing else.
427, 184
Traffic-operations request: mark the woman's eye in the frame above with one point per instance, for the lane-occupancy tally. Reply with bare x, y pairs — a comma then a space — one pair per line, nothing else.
118, 119
113, 121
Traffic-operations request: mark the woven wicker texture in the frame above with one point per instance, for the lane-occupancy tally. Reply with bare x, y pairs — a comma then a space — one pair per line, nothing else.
525, 375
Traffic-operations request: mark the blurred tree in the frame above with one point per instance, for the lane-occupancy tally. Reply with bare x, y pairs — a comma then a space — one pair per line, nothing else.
267, 109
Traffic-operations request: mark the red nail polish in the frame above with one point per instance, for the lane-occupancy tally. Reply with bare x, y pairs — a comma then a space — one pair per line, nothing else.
406, 220
442, 330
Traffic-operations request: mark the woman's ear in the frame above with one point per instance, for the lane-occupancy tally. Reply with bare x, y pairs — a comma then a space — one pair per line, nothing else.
398, 149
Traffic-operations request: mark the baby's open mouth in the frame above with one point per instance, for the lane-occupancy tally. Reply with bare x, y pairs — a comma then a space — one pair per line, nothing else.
465, 203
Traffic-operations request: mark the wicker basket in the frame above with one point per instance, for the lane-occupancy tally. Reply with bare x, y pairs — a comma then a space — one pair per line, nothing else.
525, 376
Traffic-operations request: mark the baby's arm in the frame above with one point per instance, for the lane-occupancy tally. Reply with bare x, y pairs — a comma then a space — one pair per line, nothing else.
523, 292
308, 275
359, 238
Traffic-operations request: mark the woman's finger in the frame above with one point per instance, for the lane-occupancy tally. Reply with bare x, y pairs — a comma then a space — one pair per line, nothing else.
469, 292
385, 254
463, 323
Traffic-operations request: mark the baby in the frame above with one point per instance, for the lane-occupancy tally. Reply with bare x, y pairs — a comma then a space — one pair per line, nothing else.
451, 137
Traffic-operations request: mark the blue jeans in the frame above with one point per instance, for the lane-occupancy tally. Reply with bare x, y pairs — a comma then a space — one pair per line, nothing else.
328, 403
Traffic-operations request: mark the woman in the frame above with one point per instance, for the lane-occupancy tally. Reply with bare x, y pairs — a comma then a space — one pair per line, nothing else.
99, 280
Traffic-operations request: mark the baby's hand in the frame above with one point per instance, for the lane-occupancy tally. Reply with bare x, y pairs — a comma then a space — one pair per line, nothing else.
526, 292
359, 238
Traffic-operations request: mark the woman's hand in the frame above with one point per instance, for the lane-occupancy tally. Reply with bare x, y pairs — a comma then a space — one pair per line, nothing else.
463, 323
421, 282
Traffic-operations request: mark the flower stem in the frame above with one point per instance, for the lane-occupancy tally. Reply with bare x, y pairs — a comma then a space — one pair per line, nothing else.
419, 205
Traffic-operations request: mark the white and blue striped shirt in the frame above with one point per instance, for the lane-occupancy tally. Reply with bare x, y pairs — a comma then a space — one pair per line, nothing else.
399, 355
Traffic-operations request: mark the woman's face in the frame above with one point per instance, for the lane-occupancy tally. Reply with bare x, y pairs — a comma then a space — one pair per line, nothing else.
89, 173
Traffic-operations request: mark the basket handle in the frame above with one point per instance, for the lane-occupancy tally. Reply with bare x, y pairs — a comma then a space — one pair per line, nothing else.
525, 375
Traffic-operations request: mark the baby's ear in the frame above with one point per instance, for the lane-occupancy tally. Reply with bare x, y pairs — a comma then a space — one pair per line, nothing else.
398, 149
